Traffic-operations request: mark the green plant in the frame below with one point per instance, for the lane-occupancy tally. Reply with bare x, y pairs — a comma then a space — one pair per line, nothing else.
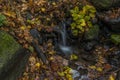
115, 38
82, 19
2, 20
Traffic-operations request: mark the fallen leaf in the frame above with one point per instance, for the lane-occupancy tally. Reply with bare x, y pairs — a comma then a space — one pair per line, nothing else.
111, 77
10, 14
37, 65
22, 27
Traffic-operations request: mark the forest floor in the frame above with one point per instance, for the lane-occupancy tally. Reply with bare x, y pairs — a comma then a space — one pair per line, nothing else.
43, 15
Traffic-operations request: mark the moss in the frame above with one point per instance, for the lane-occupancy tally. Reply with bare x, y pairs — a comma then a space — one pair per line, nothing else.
102, 4
92, 33
2, 20
115, 38
8, 47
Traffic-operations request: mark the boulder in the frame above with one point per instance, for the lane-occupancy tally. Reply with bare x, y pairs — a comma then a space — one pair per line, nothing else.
115, 38
105, 4
12, 57
112, 24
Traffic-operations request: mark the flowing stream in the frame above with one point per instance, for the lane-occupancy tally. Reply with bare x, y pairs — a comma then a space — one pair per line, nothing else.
63, 34
64, 43
68, 49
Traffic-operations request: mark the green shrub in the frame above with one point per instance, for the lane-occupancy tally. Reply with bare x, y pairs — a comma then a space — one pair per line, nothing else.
2, 20
82, 19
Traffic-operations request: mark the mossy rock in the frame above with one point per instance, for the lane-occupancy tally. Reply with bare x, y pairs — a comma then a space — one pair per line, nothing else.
115, 38
104, 4
12, 57
92, 33
2, 20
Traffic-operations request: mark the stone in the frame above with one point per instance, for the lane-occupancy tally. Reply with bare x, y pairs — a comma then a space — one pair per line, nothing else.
110, 20
12, 57
89, 45
104, 4
36, 35
113, 24
118, 76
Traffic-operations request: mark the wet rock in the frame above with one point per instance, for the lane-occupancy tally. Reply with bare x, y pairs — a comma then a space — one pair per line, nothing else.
105, 32
37, 38
114, 24
75, 73
44, 36
118, 76
89, 45
12, 57
111, 19
114, 59
88, 58
36, 35
39, 52
105, 4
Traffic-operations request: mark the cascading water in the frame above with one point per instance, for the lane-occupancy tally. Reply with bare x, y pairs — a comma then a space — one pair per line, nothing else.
63, 34
64, 45
67, 49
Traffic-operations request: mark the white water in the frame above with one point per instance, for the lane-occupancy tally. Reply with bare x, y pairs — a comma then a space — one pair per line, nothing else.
63, 46
65, 49
63, 34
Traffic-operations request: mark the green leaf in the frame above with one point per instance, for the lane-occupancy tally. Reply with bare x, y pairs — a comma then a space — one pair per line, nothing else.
92, 10
75, 32
73, 25
83, 23
79, 27
92, 15
115, 38
89, 23
87, 18
76, 9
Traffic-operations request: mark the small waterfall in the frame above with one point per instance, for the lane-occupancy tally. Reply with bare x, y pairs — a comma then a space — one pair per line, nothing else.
64, 43
63, 34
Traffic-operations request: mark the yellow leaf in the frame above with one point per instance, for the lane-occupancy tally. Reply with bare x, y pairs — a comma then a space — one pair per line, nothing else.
111, 77
99, 69
83, 23
22, 27
67, 70
51, 58
61, 74
73, 57
69, 77
43, 9
48, 19
46, 79
51, 52
37, 65
29, 27
54, 3
92, 67
10, 14
32, 60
